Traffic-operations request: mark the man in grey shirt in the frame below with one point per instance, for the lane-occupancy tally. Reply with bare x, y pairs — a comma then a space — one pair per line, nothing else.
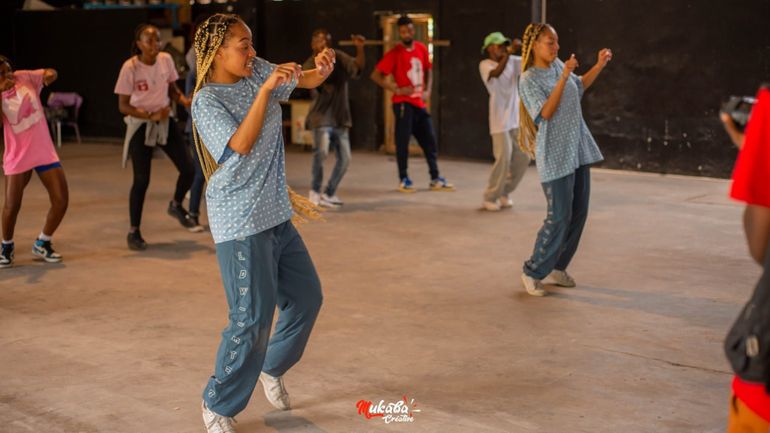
329, 116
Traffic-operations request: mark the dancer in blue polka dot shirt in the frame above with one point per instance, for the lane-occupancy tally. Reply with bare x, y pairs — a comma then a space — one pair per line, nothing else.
262, 258
553, 131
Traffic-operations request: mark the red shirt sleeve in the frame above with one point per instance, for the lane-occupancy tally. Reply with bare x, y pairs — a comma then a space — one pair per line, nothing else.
751, 176
427, 65
388, 63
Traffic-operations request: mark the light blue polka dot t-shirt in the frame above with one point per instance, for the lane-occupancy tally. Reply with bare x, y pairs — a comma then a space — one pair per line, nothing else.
563, 142
247, 194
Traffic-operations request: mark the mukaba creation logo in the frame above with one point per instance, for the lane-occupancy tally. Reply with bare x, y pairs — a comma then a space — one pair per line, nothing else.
399, 411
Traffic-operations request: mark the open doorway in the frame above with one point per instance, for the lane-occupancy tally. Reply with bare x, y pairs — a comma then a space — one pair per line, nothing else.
424, 28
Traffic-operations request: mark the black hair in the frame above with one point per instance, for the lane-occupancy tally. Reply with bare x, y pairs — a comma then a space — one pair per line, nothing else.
4, 59
137, 35
321, 31
404, 20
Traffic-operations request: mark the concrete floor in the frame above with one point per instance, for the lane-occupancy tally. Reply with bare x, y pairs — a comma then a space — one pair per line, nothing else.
422, 299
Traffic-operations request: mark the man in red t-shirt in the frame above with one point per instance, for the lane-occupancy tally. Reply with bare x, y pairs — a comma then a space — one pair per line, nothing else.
409, 63
750, 406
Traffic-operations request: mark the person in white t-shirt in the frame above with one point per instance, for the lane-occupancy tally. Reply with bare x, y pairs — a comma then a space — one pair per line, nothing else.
500, 73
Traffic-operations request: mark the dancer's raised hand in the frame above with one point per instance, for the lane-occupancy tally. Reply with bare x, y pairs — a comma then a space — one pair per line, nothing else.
324, 61
283, 74
605, 55
569, 66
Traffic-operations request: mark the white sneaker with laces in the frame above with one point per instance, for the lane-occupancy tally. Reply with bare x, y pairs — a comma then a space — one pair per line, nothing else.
534, 287
314, 197
491, 206
216, 423
275, 391
561, 278
505, 202
333, 199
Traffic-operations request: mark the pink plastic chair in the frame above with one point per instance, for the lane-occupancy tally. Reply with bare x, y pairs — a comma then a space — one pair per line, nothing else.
70, 102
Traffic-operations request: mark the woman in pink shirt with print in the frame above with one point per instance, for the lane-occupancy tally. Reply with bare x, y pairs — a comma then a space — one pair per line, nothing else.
145, 88
28, 146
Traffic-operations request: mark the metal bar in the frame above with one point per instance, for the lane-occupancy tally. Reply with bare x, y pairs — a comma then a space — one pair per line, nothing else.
435, 42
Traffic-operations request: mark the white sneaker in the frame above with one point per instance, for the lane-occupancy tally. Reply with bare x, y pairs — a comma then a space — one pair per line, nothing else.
534, 287
561, 278
275, 391
325, 202
216, 423
491, 206
333, 199
505, 202
314, 197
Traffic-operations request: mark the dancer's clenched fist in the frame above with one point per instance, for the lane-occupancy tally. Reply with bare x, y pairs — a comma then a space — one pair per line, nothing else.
324, 62
569, 66
605, 55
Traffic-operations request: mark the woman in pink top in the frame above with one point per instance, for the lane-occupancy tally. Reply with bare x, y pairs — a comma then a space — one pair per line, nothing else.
145, 88
28, 146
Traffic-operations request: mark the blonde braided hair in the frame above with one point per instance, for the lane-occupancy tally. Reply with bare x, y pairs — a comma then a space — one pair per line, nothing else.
209, 37
527, 126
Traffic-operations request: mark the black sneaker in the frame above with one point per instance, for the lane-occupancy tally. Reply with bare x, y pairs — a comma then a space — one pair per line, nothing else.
135, 241
44, 250
195, 226
6, 256
179, 212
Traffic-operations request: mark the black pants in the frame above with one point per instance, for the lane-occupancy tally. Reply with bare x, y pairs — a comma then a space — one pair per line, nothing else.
411, 120
141, 159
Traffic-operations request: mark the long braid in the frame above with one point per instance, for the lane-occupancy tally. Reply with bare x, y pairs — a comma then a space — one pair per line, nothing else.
527, 126
209, 37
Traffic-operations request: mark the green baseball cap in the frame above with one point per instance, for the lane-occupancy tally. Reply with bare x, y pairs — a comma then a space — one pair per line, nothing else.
494, 38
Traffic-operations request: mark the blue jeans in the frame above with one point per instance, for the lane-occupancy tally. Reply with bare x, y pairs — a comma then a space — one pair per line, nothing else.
411, 120
260, 272
326, 138
558, 239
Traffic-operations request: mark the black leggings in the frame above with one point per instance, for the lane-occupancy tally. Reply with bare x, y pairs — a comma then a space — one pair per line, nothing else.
141, 159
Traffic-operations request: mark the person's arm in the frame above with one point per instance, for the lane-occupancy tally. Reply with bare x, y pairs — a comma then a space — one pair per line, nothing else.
324, 65
378, 77
358, 41
494, 73
177, 96
49, 76
428, 86
127, 109
605, 55
756, 224
245, 137
552, 103
385, 68
735, 135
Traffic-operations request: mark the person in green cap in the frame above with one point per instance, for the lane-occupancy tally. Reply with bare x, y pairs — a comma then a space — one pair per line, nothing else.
500, 73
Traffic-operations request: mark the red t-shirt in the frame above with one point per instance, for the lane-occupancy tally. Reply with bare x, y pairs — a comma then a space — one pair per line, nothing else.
408, 67
753, 395
751, 184
751, 176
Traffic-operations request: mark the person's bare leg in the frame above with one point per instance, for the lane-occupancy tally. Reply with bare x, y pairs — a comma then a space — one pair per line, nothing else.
14, 192
56, 185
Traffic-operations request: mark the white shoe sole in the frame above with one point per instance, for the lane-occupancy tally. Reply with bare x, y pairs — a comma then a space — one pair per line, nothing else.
533, 292
276, 404
47, 259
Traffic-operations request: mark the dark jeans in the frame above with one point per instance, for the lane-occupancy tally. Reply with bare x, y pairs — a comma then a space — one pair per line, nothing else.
196, 190
558, 239
141, 160
411, 120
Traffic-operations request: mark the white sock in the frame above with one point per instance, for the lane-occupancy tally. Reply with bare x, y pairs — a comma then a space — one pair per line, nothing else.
44, 237
5, 242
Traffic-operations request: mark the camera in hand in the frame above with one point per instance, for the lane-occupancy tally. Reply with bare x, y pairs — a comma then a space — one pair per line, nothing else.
739, 109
